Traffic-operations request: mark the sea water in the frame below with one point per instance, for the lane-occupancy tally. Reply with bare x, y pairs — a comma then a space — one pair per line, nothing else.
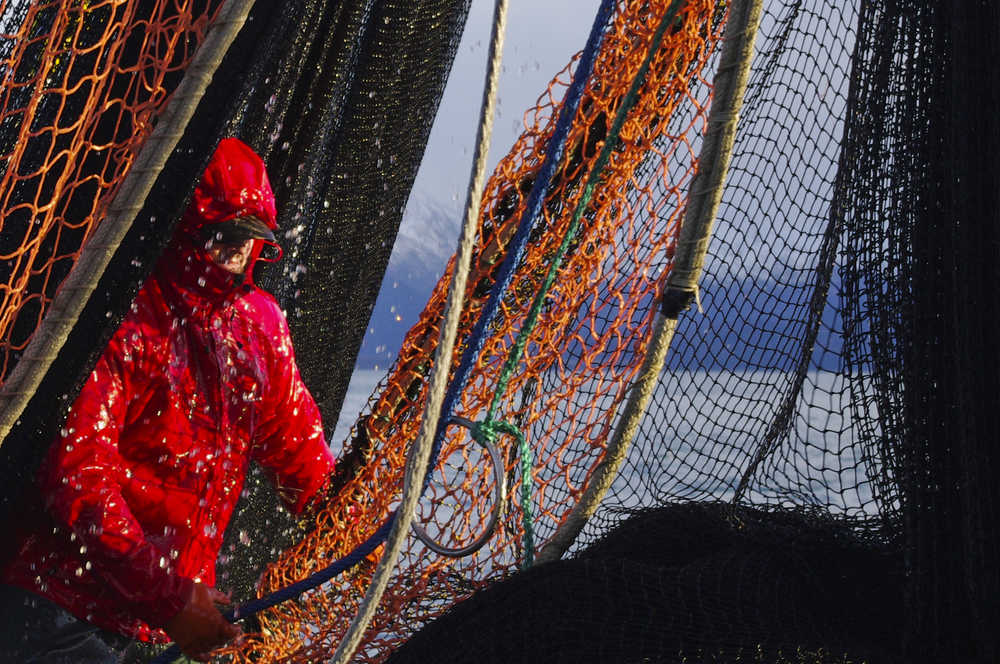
704, 429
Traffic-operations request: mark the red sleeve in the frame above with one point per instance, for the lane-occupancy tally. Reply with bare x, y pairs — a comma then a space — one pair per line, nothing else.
80, 481
289, 439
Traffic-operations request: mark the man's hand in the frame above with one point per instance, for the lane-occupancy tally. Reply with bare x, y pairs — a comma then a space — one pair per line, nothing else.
199, 628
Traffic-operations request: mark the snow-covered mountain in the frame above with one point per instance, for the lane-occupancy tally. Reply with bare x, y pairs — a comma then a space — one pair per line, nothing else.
425, 243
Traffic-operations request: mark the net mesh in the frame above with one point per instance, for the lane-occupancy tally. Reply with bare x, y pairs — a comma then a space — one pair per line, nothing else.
758, 403
321, 90
692, 582
82, 84
826, 413
758, 505
824, 428
585, 350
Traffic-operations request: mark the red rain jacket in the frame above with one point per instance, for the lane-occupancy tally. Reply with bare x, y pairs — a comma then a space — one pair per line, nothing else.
199, 379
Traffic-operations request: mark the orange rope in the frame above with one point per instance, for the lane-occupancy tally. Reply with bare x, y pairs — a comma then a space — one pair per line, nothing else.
588, 345
82, 86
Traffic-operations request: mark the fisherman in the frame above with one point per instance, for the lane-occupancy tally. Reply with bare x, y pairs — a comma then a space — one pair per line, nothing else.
199, 379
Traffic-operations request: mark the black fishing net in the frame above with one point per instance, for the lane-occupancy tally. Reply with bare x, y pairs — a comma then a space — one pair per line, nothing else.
812, 481
338, 98
815, 478
687, 583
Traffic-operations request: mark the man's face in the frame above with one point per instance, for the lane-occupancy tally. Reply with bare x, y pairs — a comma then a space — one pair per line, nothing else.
230, 257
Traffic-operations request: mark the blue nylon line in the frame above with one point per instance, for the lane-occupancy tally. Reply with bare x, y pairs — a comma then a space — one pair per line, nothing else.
553, 153
289, 592
536, 198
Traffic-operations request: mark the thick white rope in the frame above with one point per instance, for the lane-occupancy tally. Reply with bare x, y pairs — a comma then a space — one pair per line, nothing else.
418, 459
75, 291
705, 194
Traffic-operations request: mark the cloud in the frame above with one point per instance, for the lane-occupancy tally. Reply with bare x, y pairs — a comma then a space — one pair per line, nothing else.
427, 236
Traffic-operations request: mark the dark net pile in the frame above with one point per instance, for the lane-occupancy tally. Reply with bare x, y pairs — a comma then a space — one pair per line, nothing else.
815, 478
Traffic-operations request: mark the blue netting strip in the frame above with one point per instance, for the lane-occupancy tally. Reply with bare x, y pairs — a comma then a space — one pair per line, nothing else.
515, 250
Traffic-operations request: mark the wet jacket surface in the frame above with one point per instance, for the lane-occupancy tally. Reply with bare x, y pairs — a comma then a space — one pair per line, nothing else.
199, 379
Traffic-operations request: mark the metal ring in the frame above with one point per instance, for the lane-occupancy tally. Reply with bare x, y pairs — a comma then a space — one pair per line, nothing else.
499, 491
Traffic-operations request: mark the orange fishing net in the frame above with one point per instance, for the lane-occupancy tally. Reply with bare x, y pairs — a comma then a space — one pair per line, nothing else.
589, 343
82, 85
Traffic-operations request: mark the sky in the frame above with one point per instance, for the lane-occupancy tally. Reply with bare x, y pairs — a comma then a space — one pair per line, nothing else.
540, 39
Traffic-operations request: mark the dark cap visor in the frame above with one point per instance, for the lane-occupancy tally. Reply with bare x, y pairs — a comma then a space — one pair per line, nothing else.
238, 231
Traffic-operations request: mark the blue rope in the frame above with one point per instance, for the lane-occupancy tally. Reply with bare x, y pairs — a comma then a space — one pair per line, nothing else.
536, 198
290, 592
515, 250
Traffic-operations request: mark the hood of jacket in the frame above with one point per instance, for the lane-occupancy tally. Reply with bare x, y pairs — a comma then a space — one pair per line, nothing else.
235, 184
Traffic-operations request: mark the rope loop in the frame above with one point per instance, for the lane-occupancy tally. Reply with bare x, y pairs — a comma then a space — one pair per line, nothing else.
485, 435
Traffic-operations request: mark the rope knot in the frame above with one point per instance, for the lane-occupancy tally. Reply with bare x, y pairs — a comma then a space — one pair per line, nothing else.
485, 433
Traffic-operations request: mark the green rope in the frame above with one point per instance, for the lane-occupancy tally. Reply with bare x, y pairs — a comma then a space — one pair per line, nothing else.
488, 430
489, 426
